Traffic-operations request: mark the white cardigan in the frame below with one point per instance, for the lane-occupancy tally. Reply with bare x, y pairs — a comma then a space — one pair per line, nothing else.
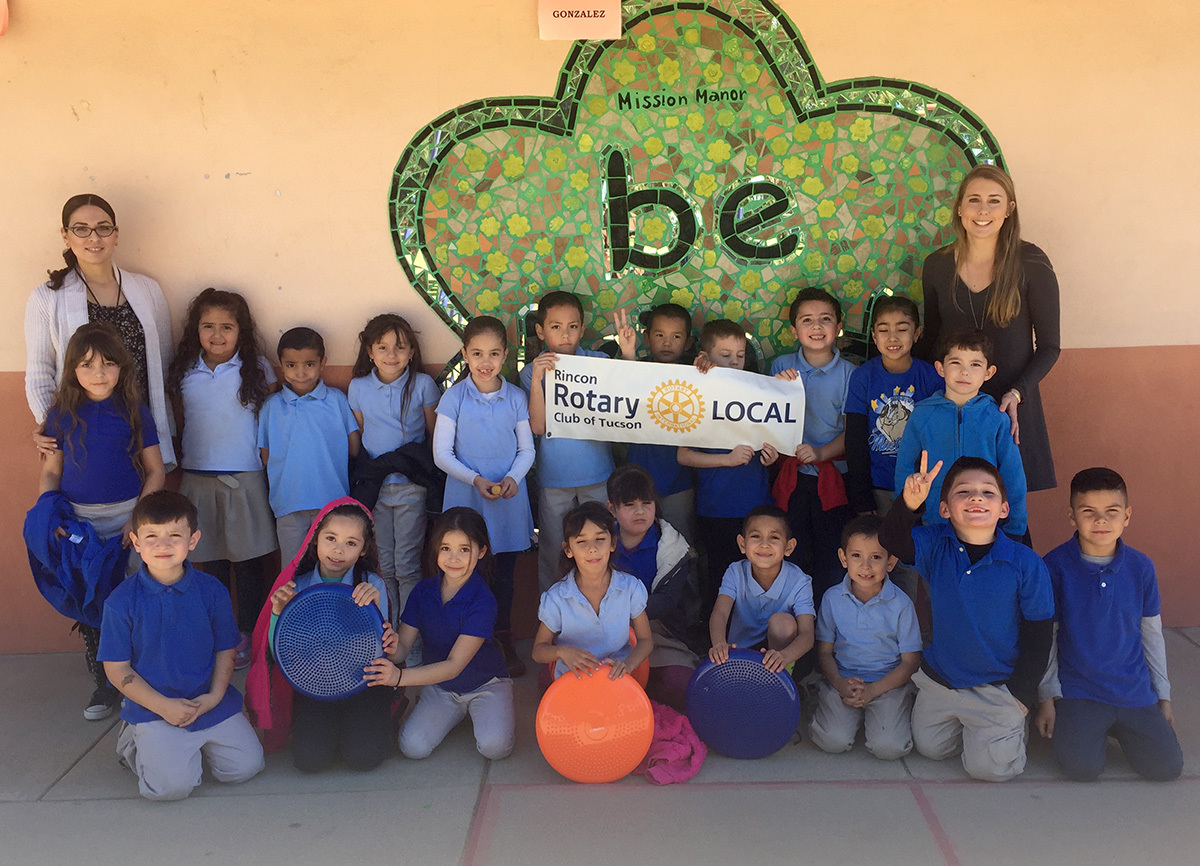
51, 317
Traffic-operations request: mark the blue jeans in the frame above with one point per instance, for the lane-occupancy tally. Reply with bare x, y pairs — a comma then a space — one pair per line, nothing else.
1081, 730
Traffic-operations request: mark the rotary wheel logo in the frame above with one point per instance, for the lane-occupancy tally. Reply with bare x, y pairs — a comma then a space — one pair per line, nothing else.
676, 406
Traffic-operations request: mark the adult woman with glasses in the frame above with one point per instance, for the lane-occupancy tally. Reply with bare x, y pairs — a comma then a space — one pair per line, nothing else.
92, 289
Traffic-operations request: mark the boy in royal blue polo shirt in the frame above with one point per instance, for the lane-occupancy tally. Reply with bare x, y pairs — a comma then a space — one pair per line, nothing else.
1109, 672
307, 434
765, 601
868, 648
817, 512
729, 483
992, 619
167, 641
570, 472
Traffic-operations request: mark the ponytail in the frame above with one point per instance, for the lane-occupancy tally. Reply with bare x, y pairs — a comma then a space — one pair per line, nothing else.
57, 277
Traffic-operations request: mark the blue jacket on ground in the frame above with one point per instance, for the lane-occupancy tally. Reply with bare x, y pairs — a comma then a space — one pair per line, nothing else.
978, 429
75, 573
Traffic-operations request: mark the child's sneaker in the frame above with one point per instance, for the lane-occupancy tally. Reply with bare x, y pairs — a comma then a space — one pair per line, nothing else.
104, 700
241, 656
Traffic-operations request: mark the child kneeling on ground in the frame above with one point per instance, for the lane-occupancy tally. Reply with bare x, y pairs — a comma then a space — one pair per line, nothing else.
868, 648
167, 641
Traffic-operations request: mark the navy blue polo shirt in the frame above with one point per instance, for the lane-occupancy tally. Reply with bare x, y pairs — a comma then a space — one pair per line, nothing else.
1099, 609
472, 612
662, 462
171, 635
978, 609
731, 491
642, 561
97, 464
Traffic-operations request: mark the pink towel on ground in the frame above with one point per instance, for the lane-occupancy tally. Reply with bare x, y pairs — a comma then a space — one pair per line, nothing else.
676, 753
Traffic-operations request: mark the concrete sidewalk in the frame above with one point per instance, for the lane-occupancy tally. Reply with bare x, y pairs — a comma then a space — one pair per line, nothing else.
64, 799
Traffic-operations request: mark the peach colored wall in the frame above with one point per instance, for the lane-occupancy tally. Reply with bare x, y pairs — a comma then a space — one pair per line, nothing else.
251, 145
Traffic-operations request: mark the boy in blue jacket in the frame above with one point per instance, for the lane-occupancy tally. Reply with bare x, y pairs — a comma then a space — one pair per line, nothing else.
963, 422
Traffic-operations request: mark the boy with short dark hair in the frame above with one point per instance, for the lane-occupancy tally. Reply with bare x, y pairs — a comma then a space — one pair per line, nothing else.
570, 472
817, 512
1108, 675
168, 641
729, 482
961, 421
765, 602
307, 434
667, 334
992, 609
868, 648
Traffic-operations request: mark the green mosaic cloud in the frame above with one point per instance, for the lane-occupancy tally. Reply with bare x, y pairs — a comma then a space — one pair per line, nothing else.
501, 199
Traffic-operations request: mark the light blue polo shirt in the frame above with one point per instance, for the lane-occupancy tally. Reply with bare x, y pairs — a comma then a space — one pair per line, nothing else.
566, 611
310, 453
868, 637
825, 392
570, 462
753, 606
219, 433
387, 422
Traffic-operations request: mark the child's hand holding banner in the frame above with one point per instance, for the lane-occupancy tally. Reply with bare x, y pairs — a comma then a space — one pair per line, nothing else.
671, 404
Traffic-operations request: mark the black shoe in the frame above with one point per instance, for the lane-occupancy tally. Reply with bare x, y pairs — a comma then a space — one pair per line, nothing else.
512, 661
101, 706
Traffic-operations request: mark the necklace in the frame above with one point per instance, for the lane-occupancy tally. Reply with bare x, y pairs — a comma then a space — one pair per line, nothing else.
971, 305
92, 294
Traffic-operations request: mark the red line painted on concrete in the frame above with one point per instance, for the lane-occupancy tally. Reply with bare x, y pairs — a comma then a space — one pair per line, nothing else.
483, 826
940, 836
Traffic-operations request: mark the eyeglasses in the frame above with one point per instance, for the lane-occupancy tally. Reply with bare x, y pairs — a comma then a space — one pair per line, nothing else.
102, 231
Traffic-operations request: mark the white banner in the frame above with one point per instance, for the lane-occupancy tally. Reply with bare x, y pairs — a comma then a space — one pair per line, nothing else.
671, 404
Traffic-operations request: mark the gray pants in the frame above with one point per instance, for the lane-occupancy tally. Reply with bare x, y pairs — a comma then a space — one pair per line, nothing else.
291, 529
887, 719
167, 759
438, 711
553, 504
400, 532
985, 724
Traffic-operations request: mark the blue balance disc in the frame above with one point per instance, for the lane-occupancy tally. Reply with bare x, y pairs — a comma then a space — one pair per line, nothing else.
740, 708
323, 640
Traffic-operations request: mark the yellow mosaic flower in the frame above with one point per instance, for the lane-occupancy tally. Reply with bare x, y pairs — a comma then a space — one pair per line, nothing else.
597, 106
750, 281
518, 226
803, 132
850, 163
695, 120
956, 175
497, 263
826, 209
554, 281
712, 73
812, 186
825, 130
691, 36
668, 71
918, 184
941, 216
873, 227
775, 104
774, 286
846, 263
779, 145
814, 261
542, 247
586, 142
916, 290
861, 130
683, 297
710, 258
607, 299
786, 339
624, 71
488, 299
654, 145
441, 198
734, 311
490, 226
514, 166
484, 201
555, 159
653, 229
853, 288
475, 159
585, 228
878, 165
750, 73
441, 252
468, 244
732, 47
895, 141
910, 218
764, 327
671, 122
751, 160
463, 186
711, 290
579, 180
556, 222
705, 185
527, 266
832, 234
793, 166
646, 42
576, 257
880, 191
726, 117
458, 272
718, 151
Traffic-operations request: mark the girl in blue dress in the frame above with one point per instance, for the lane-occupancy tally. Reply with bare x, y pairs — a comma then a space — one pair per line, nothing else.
482, 441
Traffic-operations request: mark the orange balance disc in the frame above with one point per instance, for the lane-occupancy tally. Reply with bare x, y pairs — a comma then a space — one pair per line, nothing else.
594, 729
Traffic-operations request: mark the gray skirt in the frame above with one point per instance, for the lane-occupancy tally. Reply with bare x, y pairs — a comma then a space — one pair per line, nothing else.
236, 522
108, 518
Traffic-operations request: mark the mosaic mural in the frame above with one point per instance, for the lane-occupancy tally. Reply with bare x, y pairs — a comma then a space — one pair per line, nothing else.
699, 159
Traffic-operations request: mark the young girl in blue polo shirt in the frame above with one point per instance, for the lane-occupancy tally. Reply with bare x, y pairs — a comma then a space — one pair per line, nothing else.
463, 670
108, 456
394, 403
221, 378
585, 618
482, 441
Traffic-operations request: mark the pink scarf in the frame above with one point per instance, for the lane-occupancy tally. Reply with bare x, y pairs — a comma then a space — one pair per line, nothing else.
676, 753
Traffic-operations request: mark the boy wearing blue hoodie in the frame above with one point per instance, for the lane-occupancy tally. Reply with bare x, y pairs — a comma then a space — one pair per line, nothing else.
963, 422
